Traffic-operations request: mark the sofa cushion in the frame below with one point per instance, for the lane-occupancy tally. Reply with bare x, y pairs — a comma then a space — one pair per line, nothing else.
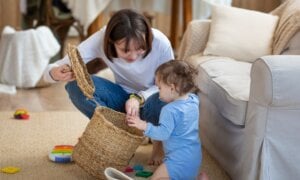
240, 34
226, 82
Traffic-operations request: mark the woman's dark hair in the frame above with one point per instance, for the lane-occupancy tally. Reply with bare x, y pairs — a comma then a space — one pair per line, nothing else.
130, 25
179, 73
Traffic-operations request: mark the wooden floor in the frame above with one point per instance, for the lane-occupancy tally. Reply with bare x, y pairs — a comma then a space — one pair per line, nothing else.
50, 98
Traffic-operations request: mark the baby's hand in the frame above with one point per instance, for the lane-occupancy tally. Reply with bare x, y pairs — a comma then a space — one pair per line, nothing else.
131, 120
135, 121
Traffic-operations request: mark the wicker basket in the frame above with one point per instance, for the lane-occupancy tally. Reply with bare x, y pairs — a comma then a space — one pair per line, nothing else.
107, 140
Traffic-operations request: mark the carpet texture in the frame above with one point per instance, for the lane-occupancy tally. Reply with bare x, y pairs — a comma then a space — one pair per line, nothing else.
26, 144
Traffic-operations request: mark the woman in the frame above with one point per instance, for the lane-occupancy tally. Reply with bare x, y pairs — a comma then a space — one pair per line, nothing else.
132, 50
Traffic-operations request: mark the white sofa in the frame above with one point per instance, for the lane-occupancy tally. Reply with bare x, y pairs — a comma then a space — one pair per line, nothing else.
248, 111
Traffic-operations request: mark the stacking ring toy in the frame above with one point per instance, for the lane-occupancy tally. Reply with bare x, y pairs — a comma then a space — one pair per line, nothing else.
60, 158
144, 174
61, 154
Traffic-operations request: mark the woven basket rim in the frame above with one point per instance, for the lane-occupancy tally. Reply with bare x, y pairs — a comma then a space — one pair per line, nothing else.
115, 127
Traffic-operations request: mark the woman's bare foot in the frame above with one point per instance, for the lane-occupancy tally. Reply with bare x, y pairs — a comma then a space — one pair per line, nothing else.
157, 154
203, 176
156, 159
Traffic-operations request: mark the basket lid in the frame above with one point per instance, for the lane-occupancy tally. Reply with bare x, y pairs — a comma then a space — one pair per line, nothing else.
79, 69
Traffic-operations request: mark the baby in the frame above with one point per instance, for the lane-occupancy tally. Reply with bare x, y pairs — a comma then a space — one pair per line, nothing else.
178, 126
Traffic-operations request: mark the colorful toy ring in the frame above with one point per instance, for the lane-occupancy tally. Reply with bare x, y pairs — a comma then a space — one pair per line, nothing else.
60, 158
144, 174
61, 154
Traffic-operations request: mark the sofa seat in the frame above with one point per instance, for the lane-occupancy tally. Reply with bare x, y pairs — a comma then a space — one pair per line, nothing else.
226, 81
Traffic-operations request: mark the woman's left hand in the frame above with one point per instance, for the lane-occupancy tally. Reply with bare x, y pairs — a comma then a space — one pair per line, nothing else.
132, 107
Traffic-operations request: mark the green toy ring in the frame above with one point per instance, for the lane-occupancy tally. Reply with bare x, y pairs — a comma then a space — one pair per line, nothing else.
144, 174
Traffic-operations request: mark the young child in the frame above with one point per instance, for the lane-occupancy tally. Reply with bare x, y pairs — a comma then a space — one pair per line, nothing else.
178, 126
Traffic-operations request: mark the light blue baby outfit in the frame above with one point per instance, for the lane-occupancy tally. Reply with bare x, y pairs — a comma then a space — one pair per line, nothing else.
179, 131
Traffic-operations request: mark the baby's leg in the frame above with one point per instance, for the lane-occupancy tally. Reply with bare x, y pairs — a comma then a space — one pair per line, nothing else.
157, 153
161, 173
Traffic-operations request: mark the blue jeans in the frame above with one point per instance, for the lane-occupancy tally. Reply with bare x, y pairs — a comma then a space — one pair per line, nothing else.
112, 95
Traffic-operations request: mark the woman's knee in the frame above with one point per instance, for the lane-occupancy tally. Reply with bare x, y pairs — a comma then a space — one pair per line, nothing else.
79, 100
151, 109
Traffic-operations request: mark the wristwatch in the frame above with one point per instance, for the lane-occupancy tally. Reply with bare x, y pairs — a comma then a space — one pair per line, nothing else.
137, 97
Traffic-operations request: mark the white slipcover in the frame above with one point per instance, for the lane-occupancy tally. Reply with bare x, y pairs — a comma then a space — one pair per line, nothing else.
248, 119
24, 55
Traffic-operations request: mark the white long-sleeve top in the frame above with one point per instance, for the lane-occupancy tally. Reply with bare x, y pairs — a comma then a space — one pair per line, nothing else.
135, 77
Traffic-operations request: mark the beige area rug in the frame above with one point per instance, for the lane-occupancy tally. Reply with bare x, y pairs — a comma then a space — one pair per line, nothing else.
26, 144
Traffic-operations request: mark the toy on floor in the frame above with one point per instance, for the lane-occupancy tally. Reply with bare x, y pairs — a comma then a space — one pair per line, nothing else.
61, 154
139, 171
21, 114
128, 169
10, 170
113, 174
138, 167
144, 174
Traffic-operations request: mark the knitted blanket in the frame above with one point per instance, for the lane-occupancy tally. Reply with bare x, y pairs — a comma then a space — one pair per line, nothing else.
289, 24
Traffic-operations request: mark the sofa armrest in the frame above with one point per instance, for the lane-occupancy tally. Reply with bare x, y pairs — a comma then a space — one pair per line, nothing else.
272, 120
275, 81
194, 39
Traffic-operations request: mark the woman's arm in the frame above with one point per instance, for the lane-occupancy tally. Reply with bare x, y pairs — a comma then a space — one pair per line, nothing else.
89, 50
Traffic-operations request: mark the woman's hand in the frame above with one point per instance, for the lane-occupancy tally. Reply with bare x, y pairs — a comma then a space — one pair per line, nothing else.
135, 121
62, 73
132, 107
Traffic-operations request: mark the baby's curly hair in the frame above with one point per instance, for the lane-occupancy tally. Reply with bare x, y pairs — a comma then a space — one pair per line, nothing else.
179, 73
